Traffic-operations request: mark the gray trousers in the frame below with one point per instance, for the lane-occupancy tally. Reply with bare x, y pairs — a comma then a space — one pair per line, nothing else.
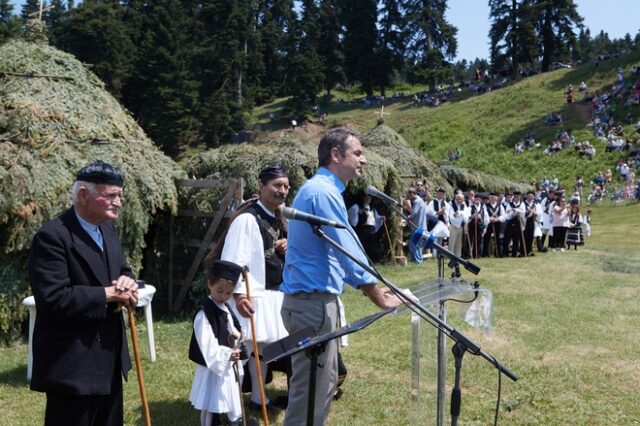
319, 310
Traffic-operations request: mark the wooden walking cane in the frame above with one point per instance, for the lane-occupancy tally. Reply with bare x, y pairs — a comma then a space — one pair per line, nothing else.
475, 236
256, 355
393, 255
136, 355
466, 232
495, 239
233, 340
524, 246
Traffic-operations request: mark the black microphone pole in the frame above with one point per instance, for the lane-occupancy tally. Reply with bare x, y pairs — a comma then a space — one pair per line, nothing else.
416, 306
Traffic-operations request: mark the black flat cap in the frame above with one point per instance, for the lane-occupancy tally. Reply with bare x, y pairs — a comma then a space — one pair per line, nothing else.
224, 269
272, 172
101, 172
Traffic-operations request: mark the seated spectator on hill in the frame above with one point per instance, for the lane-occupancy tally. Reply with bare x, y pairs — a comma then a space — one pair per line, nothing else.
553, 119
596, 194
623, 170
519, 147
608, 176
583, 87
599, 179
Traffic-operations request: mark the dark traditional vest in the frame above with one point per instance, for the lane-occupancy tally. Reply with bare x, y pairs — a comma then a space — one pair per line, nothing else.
494, 211
478, 210
437, 205
219, 324
514, 206
528, 206
575, 218
270, 230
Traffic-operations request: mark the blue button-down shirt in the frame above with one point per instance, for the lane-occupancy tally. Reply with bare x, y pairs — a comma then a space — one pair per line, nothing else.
93, 231
312, 264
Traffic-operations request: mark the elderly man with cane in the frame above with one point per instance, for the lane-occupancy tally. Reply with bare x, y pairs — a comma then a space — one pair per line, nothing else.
79, 276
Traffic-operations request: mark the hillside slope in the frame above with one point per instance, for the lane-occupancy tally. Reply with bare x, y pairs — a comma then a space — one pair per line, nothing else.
486, 127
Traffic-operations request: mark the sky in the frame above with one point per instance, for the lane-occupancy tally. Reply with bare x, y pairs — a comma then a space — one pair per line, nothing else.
471, 17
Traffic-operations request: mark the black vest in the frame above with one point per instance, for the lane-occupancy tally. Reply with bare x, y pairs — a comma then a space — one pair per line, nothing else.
218, 320
480, 211
270, 230
494, 211
437, 205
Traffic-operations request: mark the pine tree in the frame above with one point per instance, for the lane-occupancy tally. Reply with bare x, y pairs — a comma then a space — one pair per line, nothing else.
432, 39
96, 34
28, 8
55, 17
329, 45
360, 39
275, 25
513, 40
584, 48
227, 46
162, 92
307, 78
9, 24
556, 21
392, 39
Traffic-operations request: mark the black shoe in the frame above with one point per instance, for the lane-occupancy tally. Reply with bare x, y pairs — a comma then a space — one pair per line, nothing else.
281, 402
337, 395
531, 253
271, 408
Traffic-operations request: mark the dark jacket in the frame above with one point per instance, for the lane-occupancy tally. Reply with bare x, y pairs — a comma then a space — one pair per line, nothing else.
78, 338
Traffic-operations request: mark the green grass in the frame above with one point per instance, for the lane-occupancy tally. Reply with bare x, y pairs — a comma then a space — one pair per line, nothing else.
566, 323
487, 127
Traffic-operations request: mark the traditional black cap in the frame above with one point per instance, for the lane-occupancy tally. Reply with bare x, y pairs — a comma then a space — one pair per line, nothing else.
223, 269
272, 172
440, 190
100, 172
493, 194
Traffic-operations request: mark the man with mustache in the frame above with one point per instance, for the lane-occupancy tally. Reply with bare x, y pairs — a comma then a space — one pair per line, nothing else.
257, 238
78, 276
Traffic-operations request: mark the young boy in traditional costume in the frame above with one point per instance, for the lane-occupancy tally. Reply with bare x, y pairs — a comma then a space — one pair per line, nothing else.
216, 330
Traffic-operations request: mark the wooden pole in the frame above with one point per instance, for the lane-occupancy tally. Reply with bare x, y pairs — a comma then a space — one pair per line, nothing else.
136, 355
393, 254
256, 355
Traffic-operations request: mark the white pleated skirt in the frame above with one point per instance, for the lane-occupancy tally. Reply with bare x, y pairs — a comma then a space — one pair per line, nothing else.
267, 318
215, 393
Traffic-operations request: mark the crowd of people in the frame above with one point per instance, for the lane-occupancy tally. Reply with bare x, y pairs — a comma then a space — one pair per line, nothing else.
499, 224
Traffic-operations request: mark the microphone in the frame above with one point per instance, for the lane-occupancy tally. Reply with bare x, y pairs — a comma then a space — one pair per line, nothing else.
422, 238
294, 214
372, 191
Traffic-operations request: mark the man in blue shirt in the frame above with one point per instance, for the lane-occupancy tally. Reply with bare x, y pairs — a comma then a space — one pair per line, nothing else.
315, 272
418, 220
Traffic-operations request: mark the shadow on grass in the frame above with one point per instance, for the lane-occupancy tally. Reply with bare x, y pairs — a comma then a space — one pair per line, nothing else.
16, 378
181, 412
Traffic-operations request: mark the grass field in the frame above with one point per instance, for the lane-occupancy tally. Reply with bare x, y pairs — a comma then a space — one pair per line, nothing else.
487, 127
566, 323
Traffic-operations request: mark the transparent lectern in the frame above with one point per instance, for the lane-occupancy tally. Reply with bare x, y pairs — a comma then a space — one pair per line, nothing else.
474, 306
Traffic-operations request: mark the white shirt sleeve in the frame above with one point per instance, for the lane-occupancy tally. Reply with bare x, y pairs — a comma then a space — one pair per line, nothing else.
243, 246
215, 355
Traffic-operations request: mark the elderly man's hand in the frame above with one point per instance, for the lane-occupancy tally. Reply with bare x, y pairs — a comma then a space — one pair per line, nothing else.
123, 289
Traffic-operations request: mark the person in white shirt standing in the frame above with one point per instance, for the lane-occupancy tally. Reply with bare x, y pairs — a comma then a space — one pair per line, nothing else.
458, 218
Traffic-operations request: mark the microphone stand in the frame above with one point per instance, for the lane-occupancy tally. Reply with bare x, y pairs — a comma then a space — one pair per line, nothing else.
465, 344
